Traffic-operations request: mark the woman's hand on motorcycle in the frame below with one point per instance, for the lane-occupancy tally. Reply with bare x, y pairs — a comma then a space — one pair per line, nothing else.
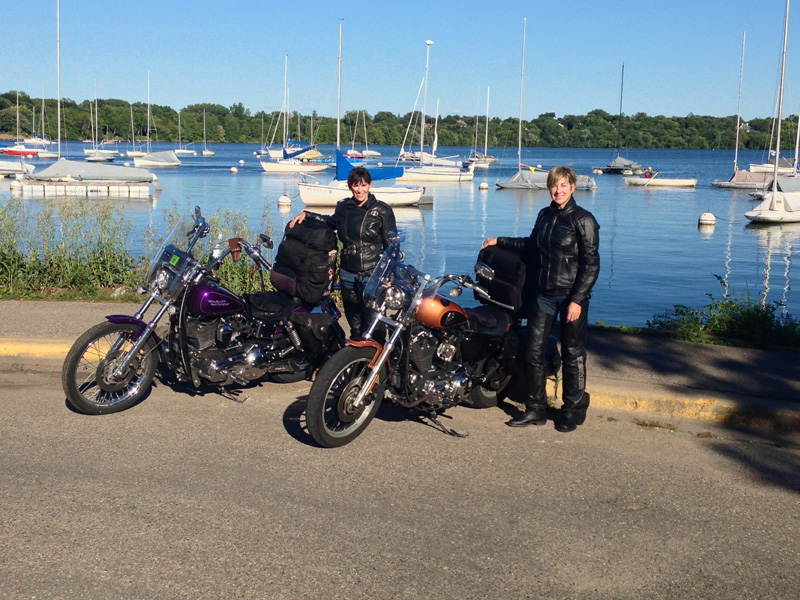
489, 242
298, 219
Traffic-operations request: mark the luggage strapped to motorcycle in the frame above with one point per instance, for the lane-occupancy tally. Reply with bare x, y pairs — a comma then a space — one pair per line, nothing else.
309, 249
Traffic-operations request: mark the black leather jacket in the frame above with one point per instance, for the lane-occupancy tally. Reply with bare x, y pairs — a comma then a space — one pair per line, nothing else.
365, 232
567, 244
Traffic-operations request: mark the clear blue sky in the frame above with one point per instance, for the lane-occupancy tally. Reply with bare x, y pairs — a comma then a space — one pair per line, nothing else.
680, 56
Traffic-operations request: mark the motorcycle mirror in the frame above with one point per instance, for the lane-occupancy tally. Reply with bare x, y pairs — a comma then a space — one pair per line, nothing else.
484, 270
197, 211
455, 292
265, 240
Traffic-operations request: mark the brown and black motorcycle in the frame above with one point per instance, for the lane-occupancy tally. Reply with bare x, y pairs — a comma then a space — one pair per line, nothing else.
422, 351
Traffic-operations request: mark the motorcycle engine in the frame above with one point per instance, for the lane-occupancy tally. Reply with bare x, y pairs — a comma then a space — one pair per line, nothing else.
229, 349
437, 377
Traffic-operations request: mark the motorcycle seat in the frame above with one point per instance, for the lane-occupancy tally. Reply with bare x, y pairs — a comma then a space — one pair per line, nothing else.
270, 306
488, 319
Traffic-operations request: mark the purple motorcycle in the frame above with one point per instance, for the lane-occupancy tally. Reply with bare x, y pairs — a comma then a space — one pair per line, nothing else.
214, 337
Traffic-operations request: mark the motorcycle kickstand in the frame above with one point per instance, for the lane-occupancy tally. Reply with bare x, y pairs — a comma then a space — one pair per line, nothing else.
451, 432
232, 395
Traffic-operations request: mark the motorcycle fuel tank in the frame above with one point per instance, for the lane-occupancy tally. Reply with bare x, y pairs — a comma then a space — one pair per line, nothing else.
212, 300
438, 312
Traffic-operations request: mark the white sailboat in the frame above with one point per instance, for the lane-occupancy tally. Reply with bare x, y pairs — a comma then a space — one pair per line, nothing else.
183, 149
206, 151
743, 179
432, 169
482, 160
777, 206
133, 153
314, 193
289, 161
149, 159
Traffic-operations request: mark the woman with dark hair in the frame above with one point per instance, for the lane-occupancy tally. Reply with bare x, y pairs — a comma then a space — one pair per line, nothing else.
565, 239
366, 226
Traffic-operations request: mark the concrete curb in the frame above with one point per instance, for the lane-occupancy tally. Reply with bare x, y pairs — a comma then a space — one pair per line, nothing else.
761, 415
36, 348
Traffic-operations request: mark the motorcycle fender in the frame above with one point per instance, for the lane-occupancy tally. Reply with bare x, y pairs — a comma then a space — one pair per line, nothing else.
369, 344
127, 319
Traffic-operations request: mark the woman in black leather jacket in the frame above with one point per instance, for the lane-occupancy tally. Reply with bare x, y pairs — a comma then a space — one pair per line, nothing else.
566, 238
366, 226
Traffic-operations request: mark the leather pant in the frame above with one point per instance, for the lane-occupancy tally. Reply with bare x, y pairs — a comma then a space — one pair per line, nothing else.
355, 311
573, 354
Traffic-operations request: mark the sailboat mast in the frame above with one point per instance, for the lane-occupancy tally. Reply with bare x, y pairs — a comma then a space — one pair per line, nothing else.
521, 88
486, 133
428, 43
58, 70
147, 149
780, 101
339, 93
285, 99
739, 110
619, 122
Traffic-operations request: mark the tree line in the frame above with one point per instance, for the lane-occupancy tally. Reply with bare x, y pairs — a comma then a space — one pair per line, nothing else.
120, 120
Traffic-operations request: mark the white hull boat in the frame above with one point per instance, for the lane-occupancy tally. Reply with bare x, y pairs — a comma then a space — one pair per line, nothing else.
329, 194
656, 182
157, 160
777, 207
291, 165
433, 173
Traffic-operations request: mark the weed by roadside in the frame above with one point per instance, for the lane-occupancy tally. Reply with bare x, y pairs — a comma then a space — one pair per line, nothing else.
731, 320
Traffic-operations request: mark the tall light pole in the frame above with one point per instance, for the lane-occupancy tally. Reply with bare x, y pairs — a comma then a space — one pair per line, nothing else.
429, 43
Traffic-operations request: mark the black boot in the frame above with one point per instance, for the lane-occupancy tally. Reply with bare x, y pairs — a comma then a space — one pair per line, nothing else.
536, 414
572, 417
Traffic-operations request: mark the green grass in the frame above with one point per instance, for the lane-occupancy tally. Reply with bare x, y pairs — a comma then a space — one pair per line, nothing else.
732, 320
78, 249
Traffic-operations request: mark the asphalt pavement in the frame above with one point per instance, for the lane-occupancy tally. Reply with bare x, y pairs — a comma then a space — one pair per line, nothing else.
738, 388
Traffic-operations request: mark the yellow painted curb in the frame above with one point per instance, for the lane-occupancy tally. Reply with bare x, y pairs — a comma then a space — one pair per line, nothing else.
715, 411
35, 348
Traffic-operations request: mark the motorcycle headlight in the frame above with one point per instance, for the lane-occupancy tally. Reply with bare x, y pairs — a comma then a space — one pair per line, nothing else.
394, 297
163, 279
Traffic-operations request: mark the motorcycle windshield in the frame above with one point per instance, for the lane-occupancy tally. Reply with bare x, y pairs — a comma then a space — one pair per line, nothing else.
179, 238
405, 269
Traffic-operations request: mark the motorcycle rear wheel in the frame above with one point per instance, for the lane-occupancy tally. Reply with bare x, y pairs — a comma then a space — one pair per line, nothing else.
484, 397
86, 375
332, 419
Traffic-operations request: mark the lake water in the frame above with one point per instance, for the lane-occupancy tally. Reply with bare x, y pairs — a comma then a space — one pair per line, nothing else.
653, 255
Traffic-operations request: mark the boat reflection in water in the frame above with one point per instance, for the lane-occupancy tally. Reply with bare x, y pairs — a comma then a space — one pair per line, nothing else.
778, 243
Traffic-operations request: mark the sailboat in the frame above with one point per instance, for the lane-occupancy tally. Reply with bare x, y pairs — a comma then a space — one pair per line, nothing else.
290, 163
149, 159
313, 193
778, 206
527, 177
743, 179
97, 154
206, 151
133, 153
19, 149
435, 169
620, 166
183, 149
482, 160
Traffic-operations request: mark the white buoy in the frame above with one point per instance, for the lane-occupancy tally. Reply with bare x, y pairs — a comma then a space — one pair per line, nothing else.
483, 186
707, 219
284, 200
234, 170
241, 162
126, 164
380, 164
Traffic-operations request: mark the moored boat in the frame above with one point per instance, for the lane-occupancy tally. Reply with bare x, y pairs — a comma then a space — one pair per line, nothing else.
660, 182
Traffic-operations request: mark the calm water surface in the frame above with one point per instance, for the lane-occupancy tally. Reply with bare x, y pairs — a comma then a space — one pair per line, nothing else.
653, 256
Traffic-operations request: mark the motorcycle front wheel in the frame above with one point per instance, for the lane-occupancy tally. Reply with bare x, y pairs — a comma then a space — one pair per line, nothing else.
89, 366
332, 418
